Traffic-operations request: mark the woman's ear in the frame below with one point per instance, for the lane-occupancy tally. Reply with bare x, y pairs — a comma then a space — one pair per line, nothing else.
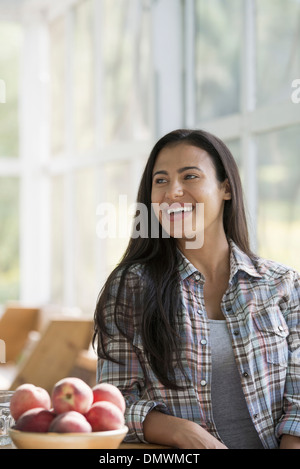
227, 190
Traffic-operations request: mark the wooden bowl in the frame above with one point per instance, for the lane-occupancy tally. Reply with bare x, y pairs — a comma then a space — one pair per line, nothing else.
94, 440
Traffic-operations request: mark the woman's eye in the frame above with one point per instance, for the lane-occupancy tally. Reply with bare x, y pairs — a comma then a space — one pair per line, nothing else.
160, 181
190, 176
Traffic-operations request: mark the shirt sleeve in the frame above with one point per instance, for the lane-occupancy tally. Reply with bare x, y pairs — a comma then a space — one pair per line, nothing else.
128, 373
290, 420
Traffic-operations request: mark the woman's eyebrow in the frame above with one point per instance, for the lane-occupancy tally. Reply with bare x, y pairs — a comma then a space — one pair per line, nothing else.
180, 170
187, 168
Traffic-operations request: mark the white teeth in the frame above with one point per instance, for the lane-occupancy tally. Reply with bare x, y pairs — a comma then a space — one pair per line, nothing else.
179, 209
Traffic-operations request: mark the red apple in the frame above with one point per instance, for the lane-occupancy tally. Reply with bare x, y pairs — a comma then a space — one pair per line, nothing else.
71, 394
27, 396
35, 420
104, 416
70, 422
109, 392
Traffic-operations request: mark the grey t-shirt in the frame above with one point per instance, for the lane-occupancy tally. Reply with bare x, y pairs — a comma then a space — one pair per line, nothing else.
230, 410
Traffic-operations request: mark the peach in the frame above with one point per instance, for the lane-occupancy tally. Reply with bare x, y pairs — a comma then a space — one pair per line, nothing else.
35, 420
70, 422
28, 396
71, 394
104, 415
109, 392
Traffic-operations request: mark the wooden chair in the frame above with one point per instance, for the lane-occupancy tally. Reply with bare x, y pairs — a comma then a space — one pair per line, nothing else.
55, 354
15, 326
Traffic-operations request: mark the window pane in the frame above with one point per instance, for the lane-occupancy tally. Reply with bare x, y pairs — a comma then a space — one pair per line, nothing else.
84, 76
279, 196
10, 51
217, 57
278, 56
57, 240
85, 255
57, 70
9, 239
117, 184
126, 63
235, 148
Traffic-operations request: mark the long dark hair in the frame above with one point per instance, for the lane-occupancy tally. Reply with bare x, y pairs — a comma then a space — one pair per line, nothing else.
158, 255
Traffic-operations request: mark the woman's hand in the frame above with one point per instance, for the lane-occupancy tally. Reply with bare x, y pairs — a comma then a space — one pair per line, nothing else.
172, 431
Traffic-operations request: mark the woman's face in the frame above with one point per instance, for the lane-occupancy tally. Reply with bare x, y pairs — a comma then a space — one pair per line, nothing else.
184, 181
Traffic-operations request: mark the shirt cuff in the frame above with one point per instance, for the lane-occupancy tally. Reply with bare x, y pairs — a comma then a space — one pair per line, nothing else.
288, 426
135, 416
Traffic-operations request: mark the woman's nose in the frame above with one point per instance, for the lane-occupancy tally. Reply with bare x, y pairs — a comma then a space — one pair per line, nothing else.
174, 190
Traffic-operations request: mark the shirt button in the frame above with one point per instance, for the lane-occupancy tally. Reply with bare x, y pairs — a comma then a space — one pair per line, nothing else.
245, 374
280, 328
203, 341
200, 311
197, 277
203, 382
236, 332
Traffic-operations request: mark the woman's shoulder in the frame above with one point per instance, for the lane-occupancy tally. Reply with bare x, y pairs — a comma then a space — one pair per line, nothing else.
132, 274
269, 268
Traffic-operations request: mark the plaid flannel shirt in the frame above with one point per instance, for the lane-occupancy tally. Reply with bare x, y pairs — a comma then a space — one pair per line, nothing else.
262, 310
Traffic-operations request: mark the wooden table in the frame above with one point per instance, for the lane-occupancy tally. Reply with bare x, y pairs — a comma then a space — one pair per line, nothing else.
140, 446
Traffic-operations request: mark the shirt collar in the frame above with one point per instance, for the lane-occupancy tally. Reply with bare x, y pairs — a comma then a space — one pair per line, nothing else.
239, 261
185, 267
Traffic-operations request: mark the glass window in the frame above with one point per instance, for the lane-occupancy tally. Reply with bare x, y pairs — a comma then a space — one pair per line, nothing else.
10, 52
57, 81
57, 239
217, 57
279, 196
235, 148
278, 58
84, 86
9, 239
116, 189
126, 62
84, 242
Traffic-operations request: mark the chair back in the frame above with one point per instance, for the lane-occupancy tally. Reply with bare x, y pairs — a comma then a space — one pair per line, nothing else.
55, 354
15, 325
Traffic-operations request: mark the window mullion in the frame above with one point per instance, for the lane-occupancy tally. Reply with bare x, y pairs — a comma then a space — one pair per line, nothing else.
248, 84
189, 63
69, 224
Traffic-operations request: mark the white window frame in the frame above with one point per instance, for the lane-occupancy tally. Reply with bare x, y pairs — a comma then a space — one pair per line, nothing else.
252, 120
36, 173
173, 106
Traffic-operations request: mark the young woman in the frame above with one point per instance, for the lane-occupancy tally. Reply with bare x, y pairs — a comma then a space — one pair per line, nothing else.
200, 334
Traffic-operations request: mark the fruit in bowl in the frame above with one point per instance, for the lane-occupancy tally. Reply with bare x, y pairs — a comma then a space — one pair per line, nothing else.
75, 416
70, 422
35, 420
27, 396
104, 415
71, 394
109, 392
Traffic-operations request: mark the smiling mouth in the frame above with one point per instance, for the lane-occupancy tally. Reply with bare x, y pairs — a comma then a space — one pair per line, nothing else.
179, 210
